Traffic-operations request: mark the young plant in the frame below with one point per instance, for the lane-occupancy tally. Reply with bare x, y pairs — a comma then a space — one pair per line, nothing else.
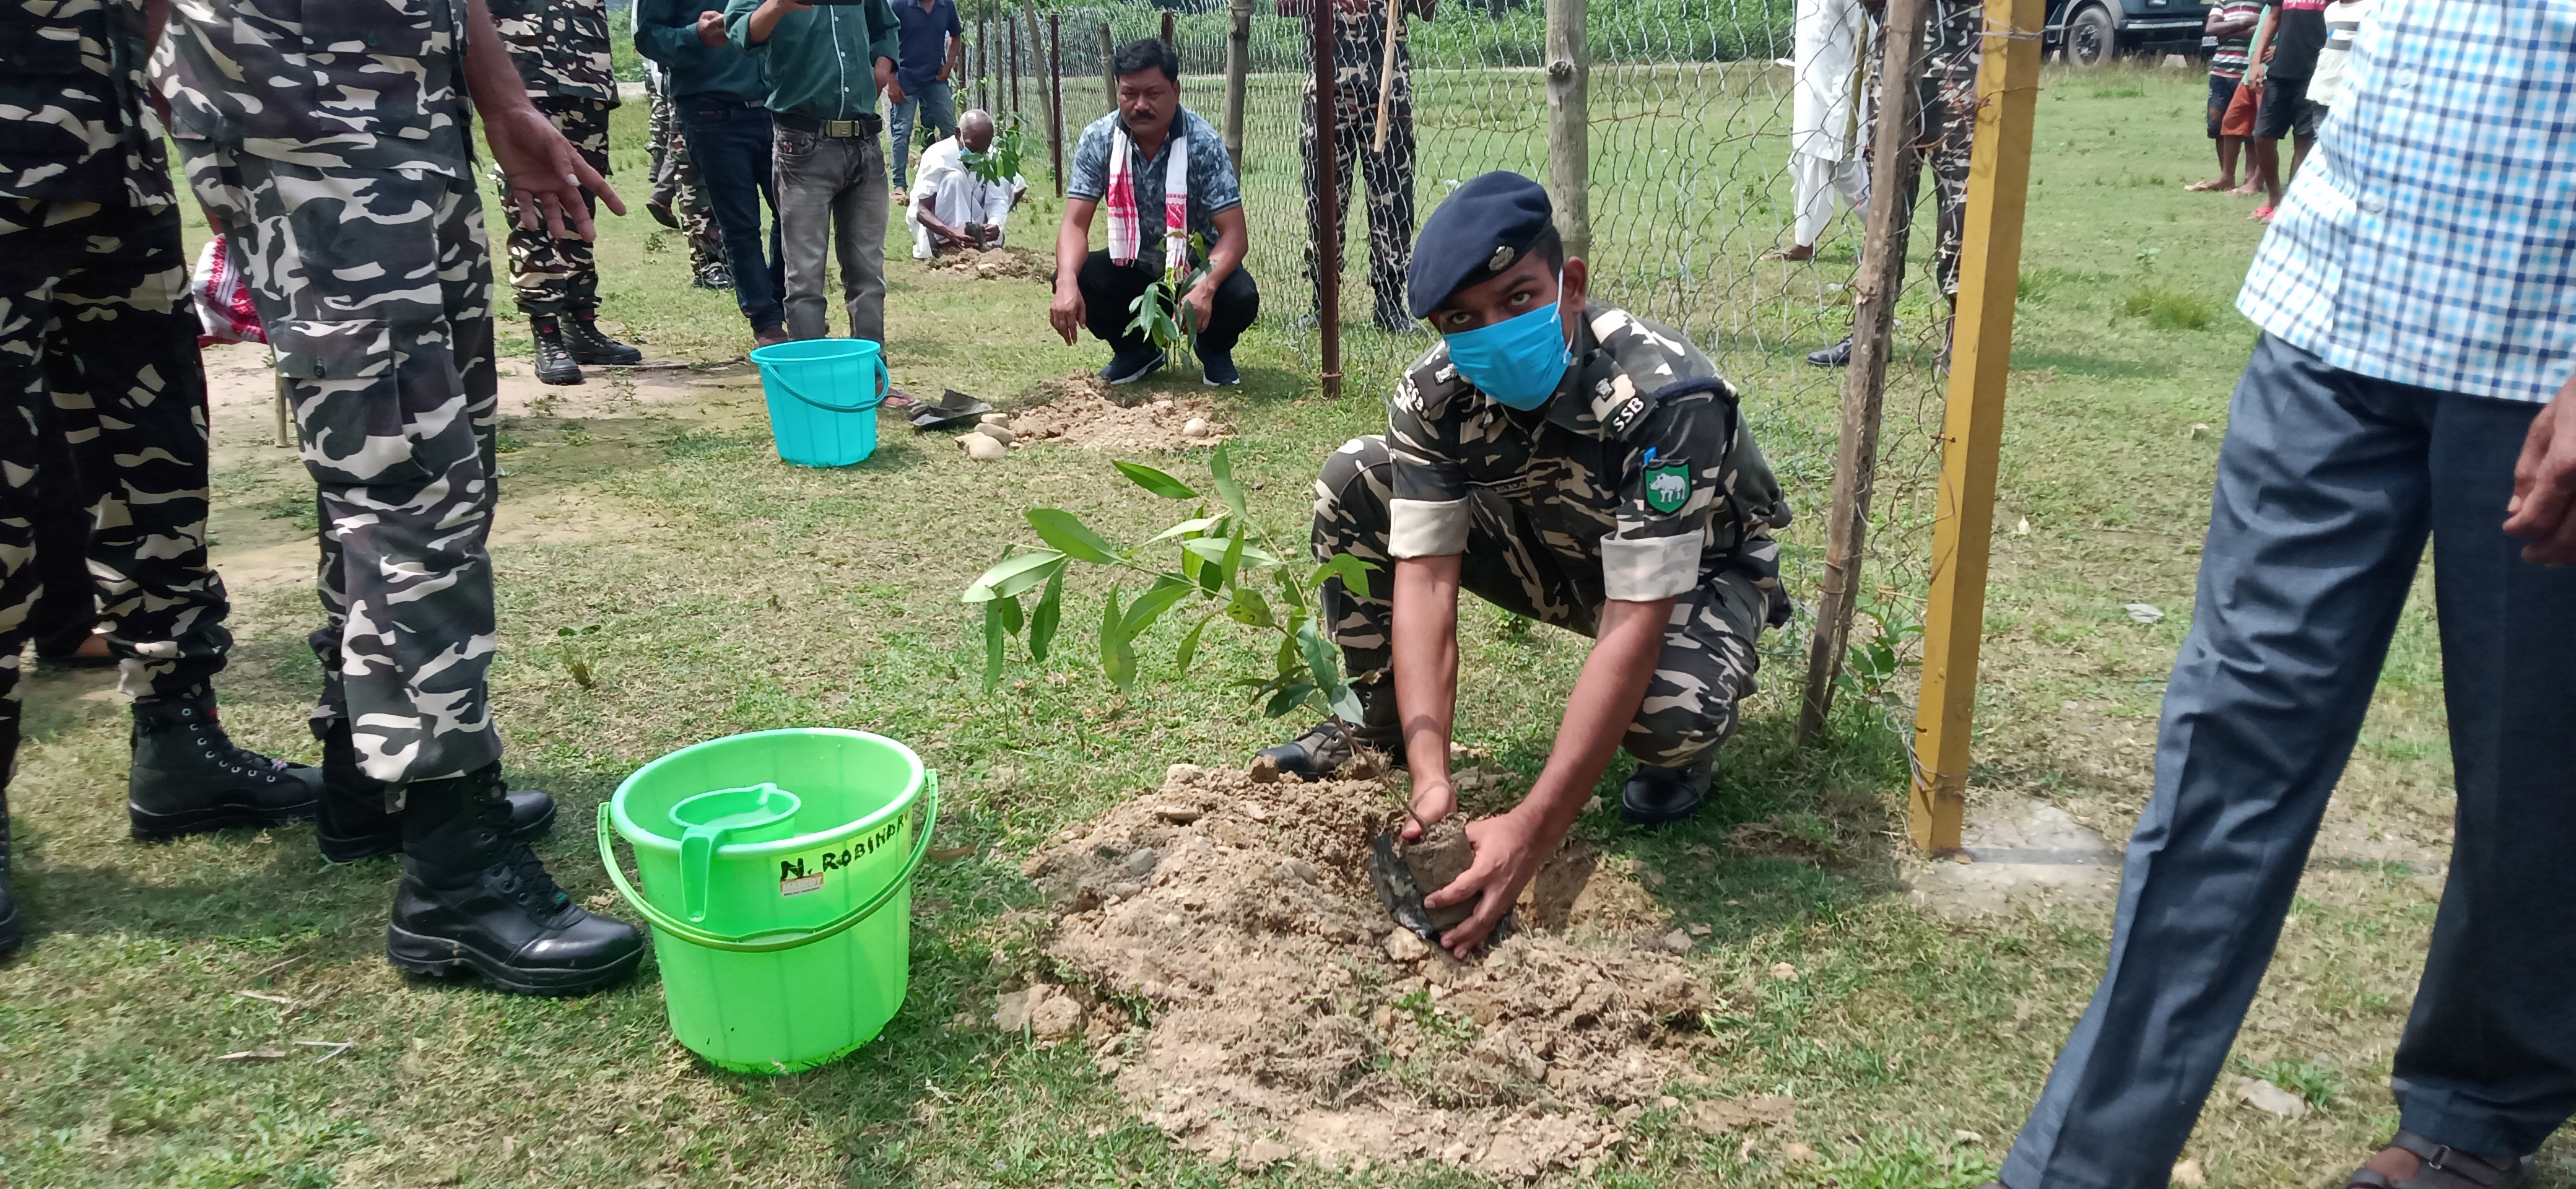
1215, 570
1161, 316
996, 166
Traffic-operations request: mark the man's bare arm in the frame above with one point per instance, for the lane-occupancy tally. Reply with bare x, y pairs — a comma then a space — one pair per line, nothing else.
1425, 648
545, 174
1072, 247
1510, 847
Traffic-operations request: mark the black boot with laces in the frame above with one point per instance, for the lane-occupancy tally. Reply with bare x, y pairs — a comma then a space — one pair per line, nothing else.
473, 899
1324, 748
188, 778
356, 825
589, 344
555, 363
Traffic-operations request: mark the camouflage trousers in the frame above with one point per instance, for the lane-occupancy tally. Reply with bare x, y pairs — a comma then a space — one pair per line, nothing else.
1386, 177
1949, 134
675, 182
1708, 660
376, 289
99, 371
549, 275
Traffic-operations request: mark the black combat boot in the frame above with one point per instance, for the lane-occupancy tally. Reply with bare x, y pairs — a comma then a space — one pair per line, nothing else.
555, 363
355, 824
9, 933
714, 276
1659, 796
1323, 749
472, 899
188, 778
590, 344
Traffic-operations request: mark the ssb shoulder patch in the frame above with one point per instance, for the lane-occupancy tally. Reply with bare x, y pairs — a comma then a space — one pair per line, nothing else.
1668, 487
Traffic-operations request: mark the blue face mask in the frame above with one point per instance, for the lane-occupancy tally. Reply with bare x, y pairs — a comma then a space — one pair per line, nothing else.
1518, 360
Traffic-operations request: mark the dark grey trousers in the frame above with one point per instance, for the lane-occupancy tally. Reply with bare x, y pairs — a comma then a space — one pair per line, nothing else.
832, 203
2328, 484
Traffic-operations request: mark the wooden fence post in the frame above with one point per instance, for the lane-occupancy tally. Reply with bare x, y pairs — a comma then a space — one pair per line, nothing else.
1108, 65
1569, 128
1171, 30
983, 60
1238, 72
1011, 59
1973, 424
1055, 96
1328, 189
1894, 164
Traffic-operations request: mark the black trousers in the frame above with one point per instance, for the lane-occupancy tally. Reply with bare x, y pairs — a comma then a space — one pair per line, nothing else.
1108, 289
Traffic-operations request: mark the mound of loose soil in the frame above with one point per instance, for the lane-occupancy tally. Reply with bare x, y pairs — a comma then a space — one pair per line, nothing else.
1291, 1017
1078, 410
989, 263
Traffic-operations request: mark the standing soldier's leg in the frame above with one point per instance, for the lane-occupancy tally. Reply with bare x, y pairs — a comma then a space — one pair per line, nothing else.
1954, 119
33, 249
659, 129
585, 124
697, 221
131, 402
1389, 175
392, 390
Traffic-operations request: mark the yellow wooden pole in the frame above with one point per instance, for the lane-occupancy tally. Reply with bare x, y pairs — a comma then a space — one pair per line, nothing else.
1972, 427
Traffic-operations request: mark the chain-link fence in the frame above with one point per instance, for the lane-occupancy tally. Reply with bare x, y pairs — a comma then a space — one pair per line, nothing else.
1690, 192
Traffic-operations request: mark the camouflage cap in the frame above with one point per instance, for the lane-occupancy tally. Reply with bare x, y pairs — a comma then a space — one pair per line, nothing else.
1481, 229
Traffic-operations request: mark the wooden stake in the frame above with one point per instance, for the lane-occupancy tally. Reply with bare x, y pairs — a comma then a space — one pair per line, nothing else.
1972, 427
1328, 189
1108, 65
1055, 97
1894, 162
1386, 69
1569, 125
1238, 74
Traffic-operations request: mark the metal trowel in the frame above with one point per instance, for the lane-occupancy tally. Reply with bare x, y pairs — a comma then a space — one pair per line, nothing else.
1401, 895
953, 407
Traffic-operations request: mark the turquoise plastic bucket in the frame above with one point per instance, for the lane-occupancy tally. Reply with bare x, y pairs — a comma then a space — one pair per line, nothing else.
823, 396
777, 874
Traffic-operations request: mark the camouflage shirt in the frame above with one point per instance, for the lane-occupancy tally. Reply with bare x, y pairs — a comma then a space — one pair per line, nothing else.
74, 126
358, 84
1953, 40
559, 46
1639, 460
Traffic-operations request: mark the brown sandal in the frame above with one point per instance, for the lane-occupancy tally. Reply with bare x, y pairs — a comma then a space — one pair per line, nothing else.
2445, 1167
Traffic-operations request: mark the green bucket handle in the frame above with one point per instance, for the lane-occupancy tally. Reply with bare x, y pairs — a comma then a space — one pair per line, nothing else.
886, 384
769, 941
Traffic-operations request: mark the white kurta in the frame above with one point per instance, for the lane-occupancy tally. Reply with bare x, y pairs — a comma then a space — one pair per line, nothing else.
1826, 159
944, 187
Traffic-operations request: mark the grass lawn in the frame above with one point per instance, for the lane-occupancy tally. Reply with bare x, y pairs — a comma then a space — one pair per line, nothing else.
729, 593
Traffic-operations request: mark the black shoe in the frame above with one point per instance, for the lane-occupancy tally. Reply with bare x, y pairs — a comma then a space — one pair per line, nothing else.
1659, 796
1217, 368
1127, 367
662, 213
554, 357
188, 778
355, 825
589, 344
714, 276
1324, 748
472, 899
1838, 355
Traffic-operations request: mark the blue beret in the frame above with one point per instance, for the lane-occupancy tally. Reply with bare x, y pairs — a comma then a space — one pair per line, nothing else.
1481, 229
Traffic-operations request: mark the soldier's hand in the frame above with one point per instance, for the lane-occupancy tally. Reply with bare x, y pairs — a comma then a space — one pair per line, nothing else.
1067, 314
546, 175
1433, 799
711, 30
1508, 854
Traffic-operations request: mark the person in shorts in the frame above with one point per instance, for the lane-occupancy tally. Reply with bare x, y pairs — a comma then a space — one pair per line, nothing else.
2298, 33
2232, 23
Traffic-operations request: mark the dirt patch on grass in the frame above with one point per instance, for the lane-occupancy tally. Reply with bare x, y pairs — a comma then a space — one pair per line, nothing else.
991, 264
1290, 1017
1079, 410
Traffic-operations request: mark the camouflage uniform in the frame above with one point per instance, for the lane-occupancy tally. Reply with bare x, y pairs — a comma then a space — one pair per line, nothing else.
561, 50
350, 202
675, 179
1952, 45
1636, 481
1359, 54
98, 352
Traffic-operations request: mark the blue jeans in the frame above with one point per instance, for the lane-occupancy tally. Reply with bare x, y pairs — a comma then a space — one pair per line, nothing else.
936, 107
2328, 484
729, 143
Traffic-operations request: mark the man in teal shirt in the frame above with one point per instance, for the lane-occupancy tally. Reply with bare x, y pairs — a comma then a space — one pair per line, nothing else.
825, 66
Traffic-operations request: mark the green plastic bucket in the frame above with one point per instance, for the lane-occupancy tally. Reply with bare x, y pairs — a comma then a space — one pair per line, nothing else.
777, 874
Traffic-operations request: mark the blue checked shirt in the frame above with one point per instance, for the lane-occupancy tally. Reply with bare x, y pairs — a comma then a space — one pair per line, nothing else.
2431, 237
